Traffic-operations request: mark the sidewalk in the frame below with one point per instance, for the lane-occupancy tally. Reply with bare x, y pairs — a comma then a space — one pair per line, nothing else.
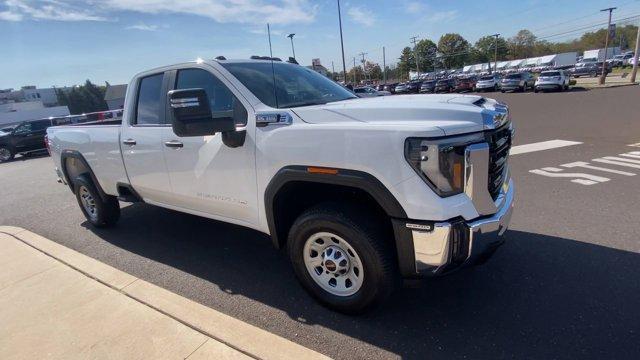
611, 81
56, 303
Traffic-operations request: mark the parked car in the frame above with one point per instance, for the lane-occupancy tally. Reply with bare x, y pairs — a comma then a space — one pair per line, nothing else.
368, 91
488, 82
467, 83
428, 86
592, 69
401, 88
413, 87
26, 138
350, 233
390, 88
445, 85
552, 80
618, 60
517, 81
631, 61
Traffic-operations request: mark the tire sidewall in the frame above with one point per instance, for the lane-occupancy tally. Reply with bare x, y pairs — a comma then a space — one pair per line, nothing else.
81, 181
304, 228
12, 154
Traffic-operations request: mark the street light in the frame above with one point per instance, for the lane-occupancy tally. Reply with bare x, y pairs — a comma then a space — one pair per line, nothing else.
344, 64
495, 63
290, 36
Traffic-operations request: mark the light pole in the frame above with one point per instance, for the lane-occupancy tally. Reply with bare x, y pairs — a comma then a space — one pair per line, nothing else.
635, 57
344, 64
606, 46
495, 56
290, 36
415, 54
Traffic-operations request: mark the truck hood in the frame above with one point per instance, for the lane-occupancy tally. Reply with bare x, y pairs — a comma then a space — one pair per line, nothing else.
452, 113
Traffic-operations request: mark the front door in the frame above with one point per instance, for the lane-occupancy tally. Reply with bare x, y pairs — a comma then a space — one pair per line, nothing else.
141, 140
207, 176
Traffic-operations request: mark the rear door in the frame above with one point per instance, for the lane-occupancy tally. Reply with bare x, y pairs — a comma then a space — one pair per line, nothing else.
141, 139
207, 176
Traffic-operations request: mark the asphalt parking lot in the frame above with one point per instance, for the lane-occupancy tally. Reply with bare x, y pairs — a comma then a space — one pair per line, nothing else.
565, 285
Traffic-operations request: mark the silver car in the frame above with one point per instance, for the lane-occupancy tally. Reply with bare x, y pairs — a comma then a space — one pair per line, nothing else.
517, 81
552, 80
368, 91
488, 83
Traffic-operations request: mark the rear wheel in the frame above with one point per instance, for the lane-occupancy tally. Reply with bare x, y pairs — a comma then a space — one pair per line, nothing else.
6, 154
99, 212
341, 257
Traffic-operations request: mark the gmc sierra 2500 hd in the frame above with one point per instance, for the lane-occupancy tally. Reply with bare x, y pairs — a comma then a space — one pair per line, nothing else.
362, 192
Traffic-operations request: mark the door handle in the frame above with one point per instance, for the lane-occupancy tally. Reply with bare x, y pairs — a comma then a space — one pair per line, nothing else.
174, 144
129, 142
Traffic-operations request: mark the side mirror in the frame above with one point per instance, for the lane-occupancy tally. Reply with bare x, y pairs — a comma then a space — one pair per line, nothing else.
192, 114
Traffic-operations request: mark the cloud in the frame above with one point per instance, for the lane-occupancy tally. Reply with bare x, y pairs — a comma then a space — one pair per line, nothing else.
10, 16
413, 7
361, 15
263, 31
443, 16
47, 10
142, 27
224, 11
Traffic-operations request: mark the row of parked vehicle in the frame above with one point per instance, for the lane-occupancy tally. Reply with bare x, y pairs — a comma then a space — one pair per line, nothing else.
521, 81
27, 137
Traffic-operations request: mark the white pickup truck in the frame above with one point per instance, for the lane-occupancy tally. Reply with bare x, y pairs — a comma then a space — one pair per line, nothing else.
362, 192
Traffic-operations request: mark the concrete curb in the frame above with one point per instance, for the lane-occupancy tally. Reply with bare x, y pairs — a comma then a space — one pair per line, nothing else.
237, 334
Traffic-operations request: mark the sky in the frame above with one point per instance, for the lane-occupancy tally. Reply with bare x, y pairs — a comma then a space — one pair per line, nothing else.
64, 42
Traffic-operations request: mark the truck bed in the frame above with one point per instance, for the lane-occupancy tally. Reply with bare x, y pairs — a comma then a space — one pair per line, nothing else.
99, 143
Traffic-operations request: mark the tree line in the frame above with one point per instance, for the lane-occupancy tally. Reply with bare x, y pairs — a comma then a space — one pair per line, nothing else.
83, 98
453, 51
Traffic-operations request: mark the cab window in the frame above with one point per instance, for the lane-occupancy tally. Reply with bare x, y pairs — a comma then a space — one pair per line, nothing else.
149, 99
222, 101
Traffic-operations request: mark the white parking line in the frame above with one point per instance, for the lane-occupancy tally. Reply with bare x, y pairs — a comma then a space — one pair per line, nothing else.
539, 146
634, 145
585, 165
579, 178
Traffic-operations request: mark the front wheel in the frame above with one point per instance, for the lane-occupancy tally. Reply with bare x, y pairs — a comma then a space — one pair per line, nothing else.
99, 212
342, 258
6, 154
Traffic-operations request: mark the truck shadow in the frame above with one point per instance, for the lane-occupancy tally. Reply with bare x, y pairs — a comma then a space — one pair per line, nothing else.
539, 297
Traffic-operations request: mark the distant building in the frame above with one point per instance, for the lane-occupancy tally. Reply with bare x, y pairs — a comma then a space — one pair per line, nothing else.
47, 96
14, 112
317, 67
114, 96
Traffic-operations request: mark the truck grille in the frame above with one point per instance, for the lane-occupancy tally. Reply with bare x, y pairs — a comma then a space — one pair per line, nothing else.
499, 144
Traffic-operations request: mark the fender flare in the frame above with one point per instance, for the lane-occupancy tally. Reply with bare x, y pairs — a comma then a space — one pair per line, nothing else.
343, 177
73, 154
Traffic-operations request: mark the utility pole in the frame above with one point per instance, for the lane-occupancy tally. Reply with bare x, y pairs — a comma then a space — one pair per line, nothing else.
415, 54
495, 56
344, 64
354, 70
606, 46
384, 67
364, 69
290, 36
635, 58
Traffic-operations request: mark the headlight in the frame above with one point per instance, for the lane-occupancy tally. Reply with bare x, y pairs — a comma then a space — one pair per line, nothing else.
441, 163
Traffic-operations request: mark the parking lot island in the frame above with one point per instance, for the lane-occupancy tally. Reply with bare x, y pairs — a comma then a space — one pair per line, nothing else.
58, 302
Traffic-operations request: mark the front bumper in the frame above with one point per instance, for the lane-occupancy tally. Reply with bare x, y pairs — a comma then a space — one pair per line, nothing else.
435, 248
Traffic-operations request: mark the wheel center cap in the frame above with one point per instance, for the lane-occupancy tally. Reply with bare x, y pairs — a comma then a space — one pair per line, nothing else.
336, 260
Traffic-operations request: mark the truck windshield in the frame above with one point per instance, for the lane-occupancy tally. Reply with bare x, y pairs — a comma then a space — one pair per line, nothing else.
295, 85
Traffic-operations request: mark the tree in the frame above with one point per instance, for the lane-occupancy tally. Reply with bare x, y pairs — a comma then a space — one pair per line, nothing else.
407, 63
485, 49
454, 49
357, 71
83, 99
522, 44
373, 70
426, 51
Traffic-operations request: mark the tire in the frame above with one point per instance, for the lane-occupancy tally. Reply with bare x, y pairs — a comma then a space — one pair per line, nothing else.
6, 154
370, 274
502, 91
535, 90
100, 213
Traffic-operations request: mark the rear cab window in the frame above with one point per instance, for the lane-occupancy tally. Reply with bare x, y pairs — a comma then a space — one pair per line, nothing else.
149, 106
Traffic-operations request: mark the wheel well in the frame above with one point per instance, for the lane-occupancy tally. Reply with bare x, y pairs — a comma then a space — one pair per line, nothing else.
295, 197
74, 167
